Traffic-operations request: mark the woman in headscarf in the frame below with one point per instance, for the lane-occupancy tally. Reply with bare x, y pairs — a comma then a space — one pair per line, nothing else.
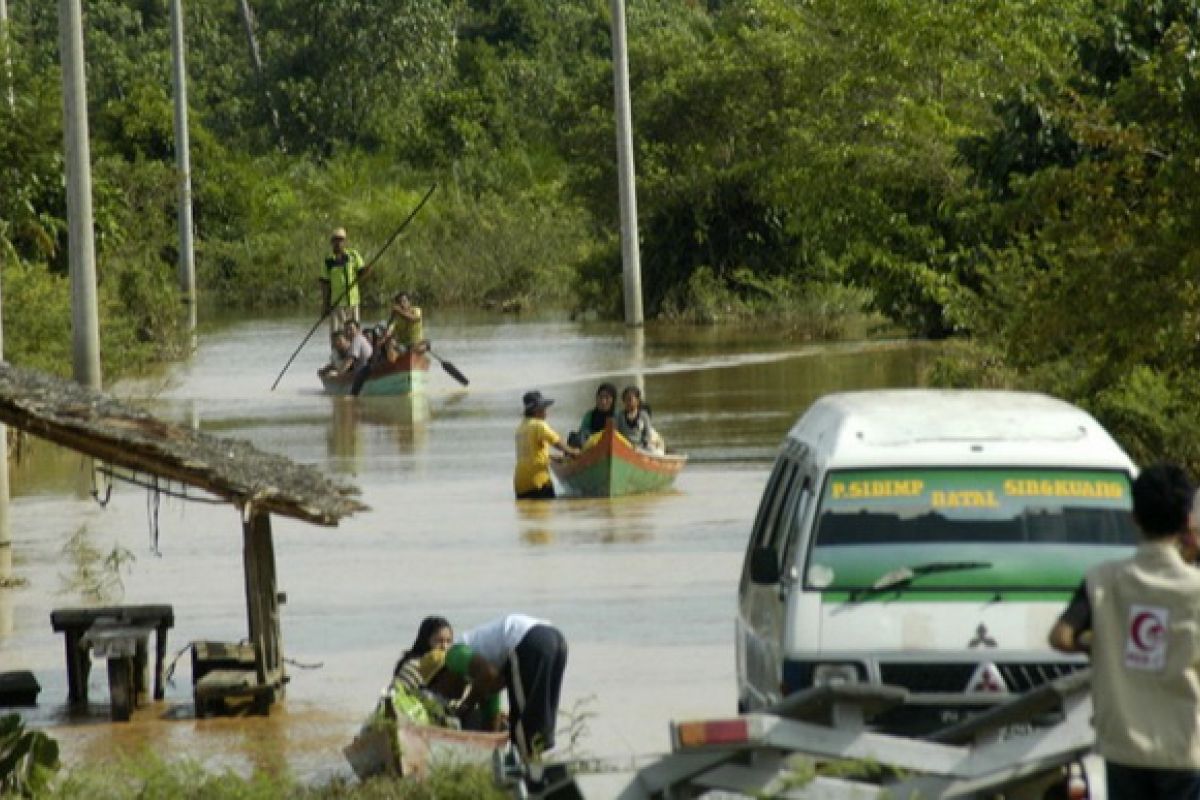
633, 422
594, 420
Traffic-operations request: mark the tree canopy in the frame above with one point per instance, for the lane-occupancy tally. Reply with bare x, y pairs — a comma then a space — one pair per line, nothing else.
1015, 173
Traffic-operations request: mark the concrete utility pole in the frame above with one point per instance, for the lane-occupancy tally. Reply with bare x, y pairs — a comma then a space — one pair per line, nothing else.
625, 177
12, 97
85, 320
183, 165
5, 527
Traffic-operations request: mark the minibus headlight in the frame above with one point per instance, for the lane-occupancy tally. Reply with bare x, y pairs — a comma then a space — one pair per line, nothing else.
835, 674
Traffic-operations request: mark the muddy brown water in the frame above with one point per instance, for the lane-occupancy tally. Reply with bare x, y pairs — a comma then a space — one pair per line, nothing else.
643, 587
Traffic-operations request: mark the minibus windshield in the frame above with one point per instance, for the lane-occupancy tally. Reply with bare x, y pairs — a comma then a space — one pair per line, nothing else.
1034, 528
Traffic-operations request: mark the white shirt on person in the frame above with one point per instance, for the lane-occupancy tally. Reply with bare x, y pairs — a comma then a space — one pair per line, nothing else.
360, 350
496, 640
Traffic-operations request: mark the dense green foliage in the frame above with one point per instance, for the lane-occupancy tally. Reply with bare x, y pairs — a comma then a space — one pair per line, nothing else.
1016, 172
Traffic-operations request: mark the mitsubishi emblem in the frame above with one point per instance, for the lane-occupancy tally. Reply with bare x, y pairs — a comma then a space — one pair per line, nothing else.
987, 678
982, 638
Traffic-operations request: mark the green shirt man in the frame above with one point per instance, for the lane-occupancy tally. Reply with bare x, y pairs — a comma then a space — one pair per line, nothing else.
343, 268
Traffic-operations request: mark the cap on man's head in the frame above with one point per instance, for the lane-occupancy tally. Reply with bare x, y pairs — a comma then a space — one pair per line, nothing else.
533, 401
458, 659
338, 233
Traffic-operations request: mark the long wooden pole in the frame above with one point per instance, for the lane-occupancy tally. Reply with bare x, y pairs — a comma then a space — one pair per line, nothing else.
337, 300
85, 317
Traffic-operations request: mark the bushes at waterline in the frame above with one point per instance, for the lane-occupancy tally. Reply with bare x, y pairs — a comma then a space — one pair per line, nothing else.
813, 310
148, 775
465, 248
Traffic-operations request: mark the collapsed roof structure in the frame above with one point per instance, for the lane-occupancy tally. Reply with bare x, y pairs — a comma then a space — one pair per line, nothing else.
258, 483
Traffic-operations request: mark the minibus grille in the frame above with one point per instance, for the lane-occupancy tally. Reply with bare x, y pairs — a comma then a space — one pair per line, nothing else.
953, 677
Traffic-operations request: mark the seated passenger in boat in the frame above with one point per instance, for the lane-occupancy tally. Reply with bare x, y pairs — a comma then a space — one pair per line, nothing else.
386, 350
341, 362
419, 672
594, 419
360, 346
634, 423
406, 328
434, 633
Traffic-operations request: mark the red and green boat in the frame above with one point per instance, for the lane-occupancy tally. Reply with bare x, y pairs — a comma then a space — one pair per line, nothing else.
405, 375
613, 467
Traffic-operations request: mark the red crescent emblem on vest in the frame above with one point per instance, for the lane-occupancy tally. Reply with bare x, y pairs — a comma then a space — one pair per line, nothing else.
1145, 631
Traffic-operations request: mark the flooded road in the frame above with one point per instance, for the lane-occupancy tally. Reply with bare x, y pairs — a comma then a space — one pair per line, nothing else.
644, 588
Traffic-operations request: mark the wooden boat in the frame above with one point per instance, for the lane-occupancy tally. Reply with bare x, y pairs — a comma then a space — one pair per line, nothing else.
403, 748
612, 467
405, 375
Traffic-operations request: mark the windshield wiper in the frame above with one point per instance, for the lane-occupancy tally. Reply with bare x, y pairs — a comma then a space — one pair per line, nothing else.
905, 575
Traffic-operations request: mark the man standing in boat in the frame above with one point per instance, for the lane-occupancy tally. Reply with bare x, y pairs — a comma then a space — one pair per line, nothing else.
531, 476
339, 284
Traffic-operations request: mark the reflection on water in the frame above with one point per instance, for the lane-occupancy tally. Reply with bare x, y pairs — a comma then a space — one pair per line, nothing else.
591, 520
641, 586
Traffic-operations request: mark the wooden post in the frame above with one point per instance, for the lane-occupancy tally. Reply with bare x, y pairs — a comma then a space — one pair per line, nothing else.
262, 599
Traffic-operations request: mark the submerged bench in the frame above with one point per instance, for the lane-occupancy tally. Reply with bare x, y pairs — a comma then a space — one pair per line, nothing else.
226, 679
121, 635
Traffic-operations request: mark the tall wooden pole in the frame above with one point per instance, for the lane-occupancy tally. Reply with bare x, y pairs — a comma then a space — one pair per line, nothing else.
183, 166
631, 264
85, 320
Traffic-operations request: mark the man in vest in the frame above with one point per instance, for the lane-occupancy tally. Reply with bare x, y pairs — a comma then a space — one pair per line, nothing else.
1139, 619
343, 268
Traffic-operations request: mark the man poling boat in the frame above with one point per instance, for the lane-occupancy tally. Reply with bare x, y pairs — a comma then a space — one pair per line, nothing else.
339, 301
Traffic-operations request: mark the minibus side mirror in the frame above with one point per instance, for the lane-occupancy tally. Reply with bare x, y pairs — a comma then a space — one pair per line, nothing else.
764, 565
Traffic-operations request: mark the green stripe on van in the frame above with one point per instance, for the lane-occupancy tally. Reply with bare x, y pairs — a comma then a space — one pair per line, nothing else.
1049, 569
948, 596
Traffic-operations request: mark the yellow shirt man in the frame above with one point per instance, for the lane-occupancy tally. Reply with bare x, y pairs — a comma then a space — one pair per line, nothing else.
406, 328
534, 438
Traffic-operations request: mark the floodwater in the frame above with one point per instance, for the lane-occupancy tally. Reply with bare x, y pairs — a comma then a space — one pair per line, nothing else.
644, 588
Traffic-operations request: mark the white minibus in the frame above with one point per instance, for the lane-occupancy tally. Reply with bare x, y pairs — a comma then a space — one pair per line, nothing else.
926, 539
